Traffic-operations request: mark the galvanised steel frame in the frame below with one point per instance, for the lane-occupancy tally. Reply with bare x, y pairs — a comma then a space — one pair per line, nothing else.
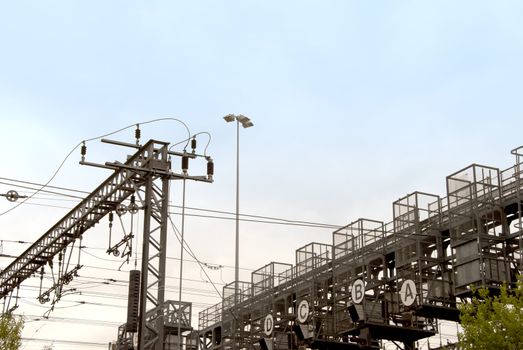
473, 236
85, 215
147, 174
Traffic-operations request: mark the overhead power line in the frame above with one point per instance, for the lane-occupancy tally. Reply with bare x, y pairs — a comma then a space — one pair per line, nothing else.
68, 342
37, 318
42, 187
244, 217
211, 265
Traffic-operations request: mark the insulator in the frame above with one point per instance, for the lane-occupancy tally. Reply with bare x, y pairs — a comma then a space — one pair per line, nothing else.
193, 145
12, 196
210, 168
83, 151
185, 164
137, 133
133, 301
111, 218
79, 250
121, 209
133, 208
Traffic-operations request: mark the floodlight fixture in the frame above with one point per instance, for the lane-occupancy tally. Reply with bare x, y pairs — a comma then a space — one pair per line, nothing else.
246, 122
240, 118
229, 118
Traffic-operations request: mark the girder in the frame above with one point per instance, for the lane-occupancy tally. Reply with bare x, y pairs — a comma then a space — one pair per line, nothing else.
113, 191
145, 175
382, 281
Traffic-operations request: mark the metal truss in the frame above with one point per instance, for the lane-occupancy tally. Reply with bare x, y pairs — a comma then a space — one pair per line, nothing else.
84, 216
383, 281
146, 174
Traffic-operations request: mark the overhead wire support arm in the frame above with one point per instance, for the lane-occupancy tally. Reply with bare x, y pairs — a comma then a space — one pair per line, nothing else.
147, 171
113, 191
132, 145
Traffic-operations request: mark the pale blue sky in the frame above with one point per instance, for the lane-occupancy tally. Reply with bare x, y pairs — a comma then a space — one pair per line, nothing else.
355, 103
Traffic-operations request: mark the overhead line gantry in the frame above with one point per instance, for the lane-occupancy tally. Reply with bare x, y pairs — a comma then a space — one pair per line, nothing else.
145, 175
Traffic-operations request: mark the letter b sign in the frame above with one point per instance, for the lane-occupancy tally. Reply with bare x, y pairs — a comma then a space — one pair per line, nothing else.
358, 291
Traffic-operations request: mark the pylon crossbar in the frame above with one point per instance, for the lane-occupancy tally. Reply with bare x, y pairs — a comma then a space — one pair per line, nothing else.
113, 191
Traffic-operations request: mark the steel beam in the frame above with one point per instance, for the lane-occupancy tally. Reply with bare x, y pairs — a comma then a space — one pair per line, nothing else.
104, 199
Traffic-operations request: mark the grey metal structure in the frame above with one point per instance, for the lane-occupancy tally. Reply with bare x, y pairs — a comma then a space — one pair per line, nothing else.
146, 174
383, 281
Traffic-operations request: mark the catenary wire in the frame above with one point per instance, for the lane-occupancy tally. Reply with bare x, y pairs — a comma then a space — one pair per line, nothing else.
205, 263
83, 142
296, 222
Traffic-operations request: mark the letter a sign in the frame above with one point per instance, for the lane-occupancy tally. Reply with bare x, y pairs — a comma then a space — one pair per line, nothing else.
408, 292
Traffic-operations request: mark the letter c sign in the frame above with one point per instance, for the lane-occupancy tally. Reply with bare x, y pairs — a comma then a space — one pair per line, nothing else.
303, 311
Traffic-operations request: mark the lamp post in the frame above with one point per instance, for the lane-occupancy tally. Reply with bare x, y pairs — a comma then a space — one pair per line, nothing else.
246, 123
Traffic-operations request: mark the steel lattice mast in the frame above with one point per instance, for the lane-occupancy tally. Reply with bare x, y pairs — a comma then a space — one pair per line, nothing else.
147, 174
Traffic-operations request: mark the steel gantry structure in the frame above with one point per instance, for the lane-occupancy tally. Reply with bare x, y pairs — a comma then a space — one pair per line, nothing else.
144, 180
376, 281
381, 281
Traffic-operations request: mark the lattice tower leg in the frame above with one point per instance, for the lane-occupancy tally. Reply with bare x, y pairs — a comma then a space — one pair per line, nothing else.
151, 327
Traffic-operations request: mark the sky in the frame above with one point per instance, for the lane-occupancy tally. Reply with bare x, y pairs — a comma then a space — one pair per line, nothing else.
354, 103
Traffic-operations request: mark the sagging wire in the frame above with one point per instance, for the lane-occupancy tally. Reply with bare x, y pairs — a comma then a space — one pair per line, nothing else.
83, 152
221, 277
202, 277
213, 268
191, 253
269, 220
193, 137
34, 333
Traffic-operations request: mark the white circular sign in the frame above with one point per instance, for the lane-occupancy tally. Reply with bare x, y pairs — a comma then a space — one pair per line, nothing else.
303, 311
268, 325
358, 291
408, 292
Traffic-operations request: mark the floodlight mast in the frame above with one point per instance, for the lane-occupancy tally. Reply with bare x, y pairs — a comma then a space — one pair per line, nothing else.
246, 123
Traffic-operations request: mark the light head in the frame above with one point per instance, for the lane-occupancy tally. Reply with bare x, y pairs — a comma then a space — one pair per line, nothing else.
229, 118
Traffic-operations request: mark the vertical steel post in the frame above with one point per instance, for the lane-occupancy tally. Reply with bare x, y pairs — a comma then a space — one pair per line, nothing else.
145, 262
161, 266
237, 249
